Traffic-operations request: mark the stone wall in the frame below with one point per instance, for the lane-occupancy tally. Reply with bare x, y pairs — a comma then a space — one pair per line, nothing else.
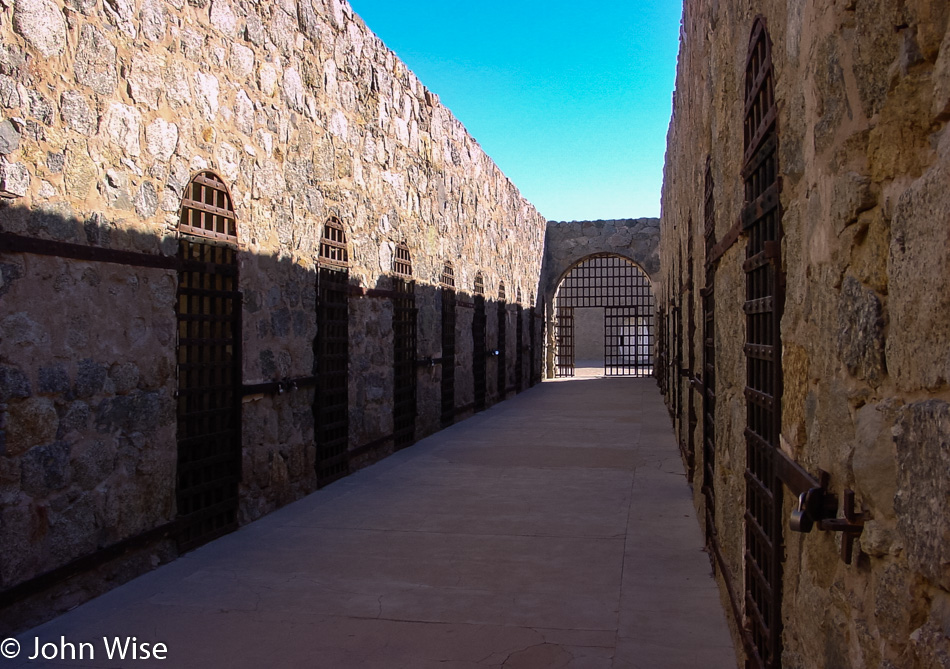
864, 158
107, 110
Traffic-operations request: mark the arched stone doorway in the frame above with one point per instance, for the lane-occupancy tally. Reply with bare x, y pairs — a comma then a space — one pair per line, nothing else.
604, 317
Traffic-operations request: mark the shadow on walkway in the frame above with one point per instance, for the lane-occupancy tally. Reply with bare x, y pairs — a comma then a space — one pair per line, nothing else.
553, 530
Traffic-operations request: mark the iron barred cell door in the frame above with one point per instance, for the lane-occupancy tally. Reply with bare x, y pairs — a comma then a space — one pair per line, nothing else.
501, 371
565, 341
628, 342
448, 345
709, 364
479, 325
761, 219
519, 349
331, 357
209, 364
404, 351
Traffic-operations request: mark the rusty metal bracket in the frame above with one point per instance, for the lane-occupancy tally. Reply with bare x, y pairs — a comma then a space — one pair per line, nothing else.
851, 526
817, 507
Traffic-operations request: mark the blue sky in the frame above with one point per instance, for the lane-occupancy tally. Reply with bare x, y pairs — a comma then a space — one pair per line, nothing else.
572, 101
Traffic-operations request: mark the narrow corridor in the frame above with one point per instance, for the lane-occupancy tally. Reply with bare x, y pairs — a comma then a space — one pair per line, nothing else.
553, 530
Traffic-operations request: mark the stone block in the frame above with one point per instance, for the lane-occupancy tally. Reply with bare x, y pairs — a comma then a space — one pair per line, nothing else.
95, 64
90, 378
861, 331
9, 137
79, 171
30, 422
138, 411
922, 438
54, 379
874, 462
122, 125
14, 384
75, 419
153, 22
14, 180
42, 24
146, 200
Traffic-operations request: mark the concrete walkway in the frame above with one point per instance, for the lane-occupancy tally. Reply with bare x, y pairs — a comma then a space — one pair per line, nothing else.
553, 530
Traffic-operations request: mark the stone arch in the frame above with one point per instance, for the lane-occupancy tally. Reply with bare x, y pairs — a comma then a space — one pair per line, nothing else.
568, 243
624, 292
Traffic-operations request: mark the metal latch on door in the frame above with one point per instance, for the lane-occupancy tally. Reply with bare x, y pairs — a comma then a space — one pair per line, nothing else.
818, 506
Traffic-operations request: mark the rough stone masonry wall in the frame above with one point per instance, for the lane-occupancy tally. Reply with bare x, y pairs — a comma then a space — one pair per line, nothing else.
107, 109
863, 90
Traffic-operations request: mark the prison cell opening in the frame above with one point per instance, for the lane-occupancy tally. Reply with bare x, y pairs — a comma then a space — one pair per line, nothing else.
534, 369
519, 344
709, 362
761, 219
502, 350
479, 323
404, 350
448, 345
209, 364
622, 292
331, 356
692, 420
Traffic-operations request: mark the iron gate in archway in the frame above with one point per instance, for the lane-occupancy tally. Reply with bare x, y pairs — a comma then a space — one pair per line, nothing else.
624, 292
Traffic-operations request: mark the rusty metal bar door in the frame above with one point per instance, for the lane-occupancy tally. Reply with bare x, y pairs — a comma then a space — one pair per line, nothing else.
564, 332
628, 342
331, 349
533, 367
761, 219
404, 351
502, 349
209, 378
479, 345
519, 349
209, 363
448, 346
708, 297
331, 360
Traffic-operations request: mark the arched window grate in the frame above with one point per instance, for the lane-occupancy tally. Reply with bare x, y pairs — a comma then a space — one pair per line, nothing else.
333, 244
207, 210
402, 262
448, 275
479, 284
501, 290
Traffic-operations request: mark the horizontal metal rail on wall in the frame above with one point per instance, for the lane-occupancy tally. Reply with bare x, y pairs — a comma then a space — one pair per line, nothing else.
13, 243
278, 387
86, 563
